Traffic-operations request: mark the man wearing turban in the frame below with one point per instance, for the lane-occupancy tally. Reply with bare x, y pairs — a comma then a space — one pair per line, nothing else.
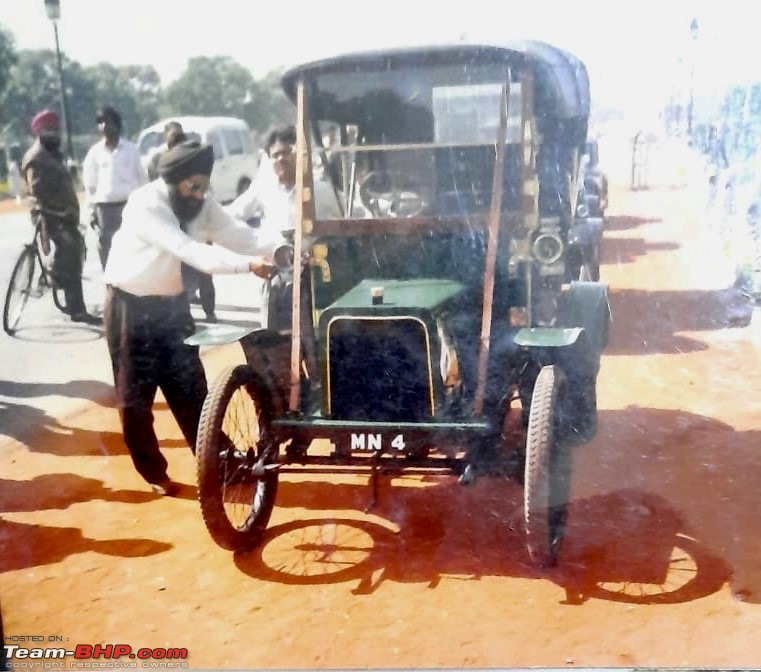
166, 223
49, 182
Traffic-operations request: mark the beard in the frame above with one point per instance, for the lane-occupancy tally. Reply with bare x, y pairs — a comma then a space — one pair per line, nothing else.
51, 142
185, 208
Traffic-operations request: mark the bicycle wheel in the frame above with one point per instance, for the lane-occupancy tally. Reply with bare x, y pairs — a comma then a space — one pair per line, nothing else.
20, 288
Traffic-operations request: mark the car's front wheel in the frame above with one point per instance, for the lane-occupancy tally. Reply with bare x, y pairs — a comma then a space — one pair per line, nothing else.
236, 488
548, 467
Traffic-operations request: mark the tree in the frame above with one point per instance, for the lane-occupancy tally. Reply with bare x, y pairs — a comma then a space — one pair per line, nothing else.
7, 59
272, 107
220, 86
133, 90
33, 85
210, 86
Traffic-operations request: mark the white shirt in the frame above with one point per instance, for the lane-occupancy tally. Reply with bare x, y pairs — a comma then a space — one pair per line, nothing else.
149, 248
276, 205
109, 176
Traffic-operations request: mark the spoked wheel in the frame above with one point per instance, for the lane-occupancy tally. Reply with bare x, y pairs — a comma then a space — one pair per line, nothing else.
20, 288
548, 468
235, 488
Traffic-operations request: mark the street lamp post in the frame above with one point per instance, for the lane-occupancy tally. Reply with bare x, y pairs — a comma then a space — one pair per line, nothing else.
53, 10
694, 36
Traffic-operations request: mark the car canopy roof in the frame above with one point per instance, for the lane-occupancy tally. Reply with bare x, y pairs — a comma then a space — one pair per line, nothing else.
561, 80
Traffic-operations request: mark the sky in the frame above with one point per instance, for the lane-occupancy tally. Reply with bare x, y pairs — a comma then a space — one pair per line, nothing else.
637, 53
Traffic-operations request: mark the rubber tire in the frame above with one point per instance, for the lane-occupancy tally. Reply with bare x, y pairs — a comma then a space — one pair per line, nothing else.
210, 463
547, 472
23, 272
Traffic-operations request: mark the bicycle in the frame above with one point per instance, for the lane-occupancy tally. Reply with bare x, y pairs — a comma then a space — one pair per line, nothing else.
32, 275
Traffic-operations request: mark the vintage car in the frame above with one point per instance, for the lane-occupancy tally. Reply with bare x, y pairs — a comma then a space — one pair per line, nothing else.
416, 336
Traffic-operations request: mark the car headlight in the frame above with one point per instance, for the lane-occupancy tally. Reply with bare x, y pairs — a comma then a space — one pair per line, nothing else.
547, 248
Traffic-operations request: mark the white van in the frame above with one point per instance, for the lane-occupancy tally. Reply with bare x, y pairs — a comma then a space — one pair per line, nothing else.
235, 158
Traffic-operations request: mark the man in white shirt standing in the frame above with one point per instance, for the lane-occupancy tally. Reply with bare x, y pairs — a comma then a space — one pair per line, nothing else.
111, 171
166, 223
274, 200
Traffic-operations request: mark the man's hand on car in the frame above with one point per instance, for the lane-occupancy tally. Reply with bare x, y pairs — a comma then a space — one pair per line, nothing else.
262, 268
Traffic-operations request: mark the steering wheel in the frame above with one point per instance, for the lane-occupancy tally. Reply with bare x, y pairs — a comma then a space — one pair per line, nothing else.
391, 194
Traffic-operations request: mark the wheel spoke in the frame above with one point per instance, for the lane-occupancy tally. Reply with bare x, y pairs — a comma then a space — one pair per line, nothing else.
20, 289
236, 503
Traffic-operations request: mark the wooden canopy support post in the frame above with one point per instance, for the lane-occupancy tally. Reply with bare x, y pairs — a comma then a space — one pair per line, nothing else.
491, 251
529, 180
305, 214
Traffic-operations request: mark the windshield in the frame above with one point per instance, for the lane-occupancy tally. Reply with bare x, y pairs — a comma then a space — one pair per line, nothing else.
415, 140
446, 104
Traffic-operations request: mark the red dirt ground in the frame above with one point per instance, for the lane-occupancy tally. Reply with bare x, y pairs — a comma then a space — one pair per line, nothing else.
662, 560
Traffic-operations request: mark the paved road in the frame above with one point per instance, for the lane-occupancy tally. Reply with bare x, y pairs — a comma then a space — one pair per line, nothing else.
51, 364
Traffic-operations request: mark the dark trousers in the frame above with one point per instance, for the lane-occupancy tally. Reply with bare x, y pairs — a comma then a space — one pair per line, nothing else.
145, 340
109, 220
196, 281
67, 261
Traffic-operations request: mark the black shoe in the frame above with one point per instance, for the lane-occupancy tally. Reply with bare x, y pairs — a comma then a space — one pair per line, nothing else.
86, 318
211, 317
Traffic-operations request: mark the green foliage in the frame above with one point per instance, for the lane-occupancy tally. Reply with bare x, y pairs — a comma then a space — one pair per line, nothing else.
219, 86
7, 58
210, 86
33, 85
273, 107
29, 82
134, 90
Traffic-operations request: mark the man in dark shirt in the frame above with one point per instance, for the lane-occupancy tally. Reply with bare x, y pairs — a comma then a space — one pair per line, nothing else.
49, 182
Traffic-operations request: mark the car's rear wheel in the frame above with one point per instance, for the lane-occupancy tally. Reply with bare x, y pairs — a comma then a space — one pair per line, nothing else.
548, 468
236, 499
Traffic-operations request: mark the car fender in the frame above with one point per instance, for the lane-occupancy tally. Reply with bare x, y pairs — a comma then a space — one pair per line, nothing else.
585, 304
547, 337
